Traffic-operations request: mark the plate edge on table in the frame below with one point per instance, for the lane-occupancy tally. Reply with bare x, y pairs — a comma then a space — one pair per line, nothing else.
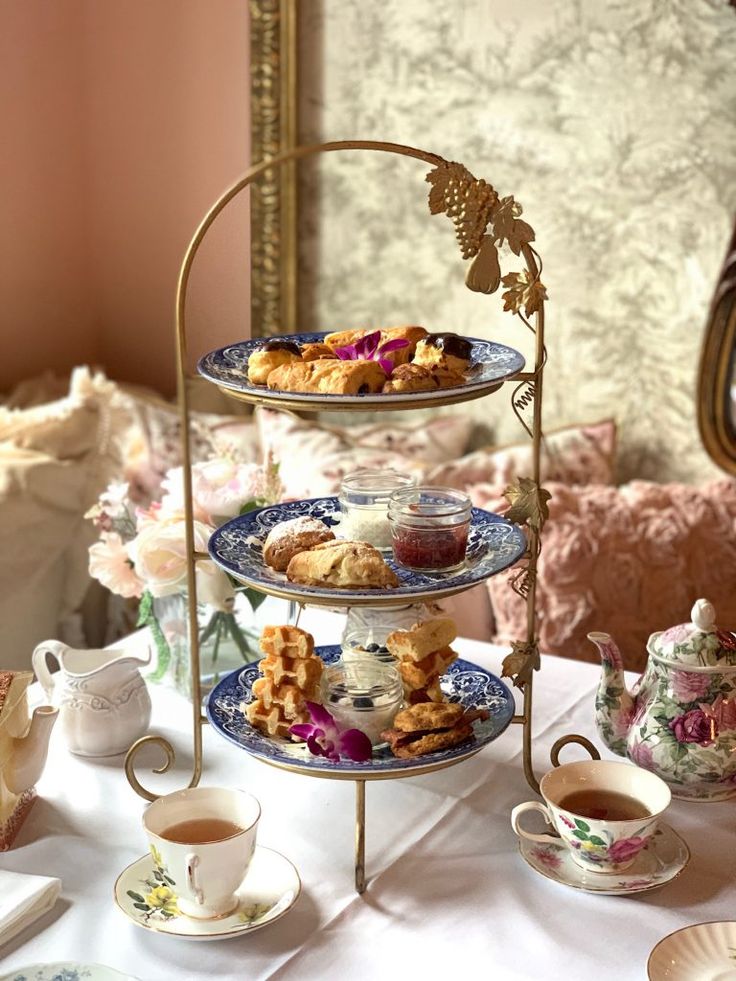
236, 931
673, 933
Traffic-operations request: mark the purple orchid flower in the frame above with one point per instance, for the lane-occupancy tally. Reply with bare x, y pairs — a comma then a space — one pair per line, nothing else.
324, 737
369, 348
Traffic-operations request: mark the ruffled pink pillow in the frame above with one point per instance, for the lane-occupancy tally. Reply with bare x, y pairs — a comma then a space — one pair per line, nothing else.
627, 560
573, 455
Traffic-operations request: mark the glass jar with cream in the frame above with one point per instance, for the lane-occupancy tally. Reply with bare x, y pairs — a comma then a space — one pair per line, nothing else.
363, 695
429, 528
364, 496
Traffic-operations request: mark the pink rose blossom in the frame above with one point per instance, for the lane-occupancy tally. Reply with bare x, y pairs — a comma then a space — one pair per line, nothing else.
694, 727
626, 848
688, 686
641, 754
547, 857
110, 564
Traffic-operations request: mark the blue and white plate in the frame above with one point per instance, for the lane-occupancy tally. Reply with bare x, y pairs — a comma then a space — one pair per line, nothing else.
467, 683
494, 544
490, 365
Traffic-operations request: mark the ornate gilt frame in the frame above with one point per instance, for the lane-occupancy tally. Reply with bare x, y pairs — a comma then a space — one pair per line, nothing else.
274, 78
716, 374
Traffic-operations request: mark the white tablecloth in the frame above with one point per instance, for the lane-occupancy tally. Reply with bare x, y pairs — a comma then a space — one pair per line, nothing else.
448, 891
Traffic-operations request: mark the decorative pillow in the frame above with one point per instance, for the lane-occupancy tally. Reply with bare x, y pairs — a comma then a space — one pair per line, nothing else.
573, 455
627, 560
314, 457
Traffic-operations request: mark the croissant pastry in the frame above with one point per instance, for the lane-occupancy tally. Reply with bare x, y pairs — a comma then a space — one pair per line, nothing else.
329, 377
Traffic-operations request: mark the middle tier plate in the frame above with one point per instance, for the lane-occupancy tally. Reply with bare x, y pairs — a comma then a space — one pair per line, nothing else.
494, 544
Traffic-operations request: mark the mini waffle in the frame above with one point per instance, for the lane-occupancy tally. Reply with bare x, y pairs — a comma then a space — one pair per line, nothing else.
304, 672
287, 642
273, 720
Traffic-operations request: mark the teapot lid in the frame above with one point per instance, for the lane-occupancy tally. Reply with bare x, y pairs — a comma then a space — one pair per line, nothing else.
699, 643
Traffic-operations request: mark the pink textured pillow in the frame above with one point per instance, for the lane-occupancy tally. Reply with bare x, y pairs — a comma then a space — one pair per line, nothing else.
626, 560
315, 457
573, 455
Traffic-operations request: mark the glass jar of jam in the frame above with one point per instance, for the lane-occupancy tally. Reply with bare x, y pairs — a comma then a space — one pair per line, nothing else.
429, 528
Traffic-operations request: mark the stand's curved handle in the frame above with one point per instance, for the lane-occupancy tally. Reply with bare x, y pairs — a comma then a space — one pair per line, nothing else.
554, 753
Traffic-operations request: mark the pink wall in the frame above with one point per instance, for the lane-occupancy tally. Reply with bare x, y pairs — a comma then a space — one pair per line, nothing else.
139, 111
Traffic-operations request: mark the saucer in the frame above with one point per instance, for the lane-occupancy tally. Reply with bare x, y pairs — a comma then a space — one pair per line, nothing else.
658, 863
701, 952
66, 971
269, 890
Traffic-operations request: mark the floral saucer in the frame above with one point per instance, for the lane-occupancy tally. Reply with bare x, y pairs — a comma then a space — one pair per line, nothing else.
494, 544
701, 952
269, 890
66, 971
658, 863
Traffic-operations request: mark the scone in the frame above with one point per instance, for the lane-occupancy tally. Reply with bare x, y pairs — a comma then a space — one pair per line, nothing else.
271, 355
412, 335
329, 377
344, 565
423, 639
445, 351
316, 352
288, 538
446, 377
411, 378
427, 727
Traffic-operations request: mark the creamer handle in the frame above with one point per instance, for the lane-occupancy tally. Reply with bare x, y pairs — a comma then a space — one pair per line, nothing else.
40, 665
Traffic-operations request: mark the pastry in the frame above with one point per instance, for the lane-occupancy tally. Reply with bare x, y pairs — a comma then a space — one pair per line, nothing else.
446, 377
269, 356
288, 538
423, 639
410, 334
329, 377
425, 674
317, 352
290, 677
429, 727
411, 378
444, 350
343, 338
344, 565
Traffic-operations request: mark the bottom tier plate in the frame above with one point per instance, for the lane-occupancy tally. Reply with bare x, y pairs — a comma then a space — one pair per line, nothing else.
465, 682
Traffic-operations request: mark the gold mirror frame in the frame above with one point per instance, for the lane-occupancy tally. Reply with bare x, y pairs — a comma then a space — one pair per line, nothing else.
716, 374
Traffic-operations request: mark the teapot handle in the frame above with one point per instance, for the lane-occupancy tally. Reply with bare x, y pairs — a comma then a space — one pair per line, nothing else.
40, 665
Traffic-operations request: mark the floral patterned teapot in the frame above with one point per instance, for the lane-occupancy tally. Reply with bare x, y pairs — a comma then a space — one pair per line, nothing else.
679, 720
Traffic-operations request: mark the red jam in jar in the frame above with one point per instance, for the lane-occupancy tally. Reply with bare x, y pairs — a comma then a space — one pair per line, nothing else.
429, 528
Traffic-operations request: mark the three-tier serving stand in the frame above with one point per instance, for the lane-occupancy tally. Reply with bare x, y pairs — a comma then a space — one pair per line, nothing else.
484, 224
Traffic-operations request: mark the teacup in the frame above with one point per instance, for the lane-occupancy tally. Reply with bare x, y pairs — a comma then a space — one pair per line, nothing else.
604, 812
202, 840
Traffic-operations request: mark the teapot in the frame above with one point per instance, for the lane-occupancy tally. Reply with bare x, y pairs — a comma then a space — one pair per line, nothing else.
103, 700
24, 743
679, 719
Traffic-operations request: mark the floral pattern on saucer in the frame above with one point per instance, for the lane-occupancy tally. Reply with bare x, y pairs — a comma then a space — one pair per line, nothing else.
490, 364
66, 971
657, 863
146, 894
494, 544
464, 682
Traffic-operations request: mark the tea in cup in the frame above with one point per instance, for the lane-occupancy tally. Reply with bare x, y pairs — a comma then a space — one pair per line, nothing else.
203, 840
604, 812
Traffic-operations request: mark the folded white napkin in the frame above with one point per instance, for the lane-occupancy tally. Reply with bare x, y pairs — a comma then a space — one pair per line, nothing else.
23, 898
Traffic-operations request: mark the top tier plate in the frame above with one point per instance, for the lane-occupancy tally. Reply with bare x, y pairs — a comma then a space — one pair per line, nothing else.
491, 365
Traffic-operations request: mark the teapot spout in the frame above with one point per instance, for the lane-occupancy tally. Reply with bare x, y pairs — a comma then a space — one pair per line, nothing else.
30, 751
614, 704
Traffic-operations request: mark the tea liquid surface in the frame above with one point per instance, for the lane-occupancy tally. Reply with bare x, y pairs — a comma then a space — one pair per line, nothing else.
603, 805
198, 831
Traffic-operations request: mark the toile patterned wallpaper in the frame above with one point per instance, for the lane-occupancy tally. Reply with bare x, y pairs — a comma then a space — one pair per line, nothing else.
612, 121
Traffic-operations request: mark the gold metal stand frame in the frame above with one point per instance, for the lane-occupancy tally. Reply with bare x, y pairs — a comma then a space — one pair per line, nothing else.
483, 223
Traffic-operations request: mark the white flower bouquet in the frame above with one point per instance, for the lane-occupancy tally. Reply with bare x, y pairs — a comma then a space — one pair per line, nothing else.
142, 551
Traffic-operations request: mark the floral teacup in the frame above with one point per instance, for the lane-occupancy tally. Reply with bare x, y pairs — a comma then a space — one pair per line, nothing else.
202, 840
598, 843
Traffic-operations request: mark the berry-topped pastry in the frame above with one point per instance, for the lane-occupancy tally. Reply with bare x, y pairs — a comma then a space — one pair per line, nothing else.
444, 350
270, 355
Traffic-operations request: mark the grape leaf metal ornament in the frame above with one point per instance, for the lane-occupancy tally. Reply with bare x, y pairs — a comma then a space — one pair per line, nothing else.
483, 223
521, 662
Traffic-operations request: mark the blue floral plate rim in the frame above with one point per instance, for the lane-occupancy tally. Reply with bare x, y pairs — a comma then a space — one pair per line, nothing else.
464, 682
494, 544
491, 364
